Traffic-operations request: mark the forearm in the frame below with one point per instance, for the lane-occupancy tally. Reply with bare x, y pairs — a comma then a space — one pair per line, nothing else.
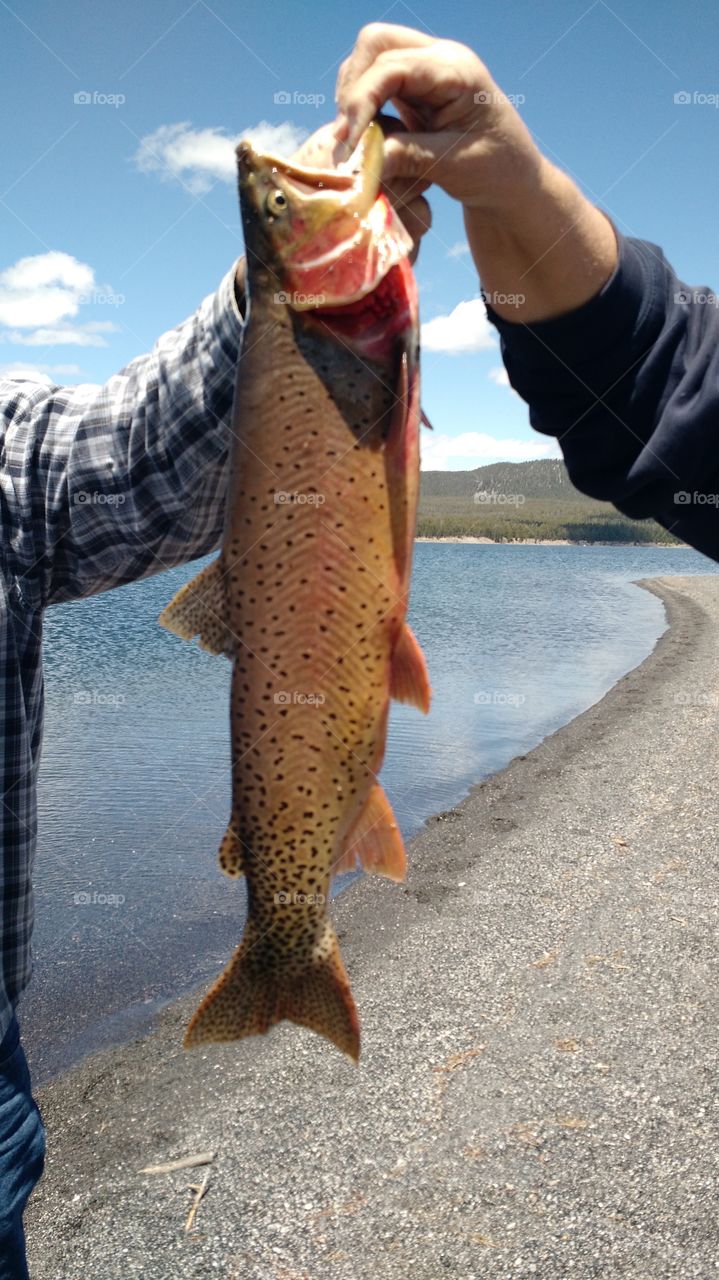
629, 385
611, 356
547, 254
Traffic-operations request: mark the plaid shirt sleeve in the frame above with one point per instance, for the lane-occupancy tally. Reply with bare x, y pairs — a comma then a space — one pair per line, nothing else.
101, 485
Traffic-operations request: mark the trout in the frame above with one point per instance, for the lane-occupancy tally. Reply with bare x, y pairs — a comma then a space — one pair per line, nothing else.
308, 597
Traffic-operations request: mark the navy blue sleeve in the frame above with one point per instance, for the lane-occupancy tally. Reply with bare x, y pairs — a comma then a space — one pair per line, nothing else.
629, 385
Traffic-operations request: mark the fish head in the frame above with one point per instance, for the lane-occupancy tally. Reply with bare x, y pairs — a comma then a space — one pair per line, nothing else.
318, 237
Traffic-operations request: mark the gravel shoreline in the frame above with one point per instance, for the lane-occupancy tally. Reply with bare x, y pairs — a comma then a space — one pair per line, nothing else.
536, 1090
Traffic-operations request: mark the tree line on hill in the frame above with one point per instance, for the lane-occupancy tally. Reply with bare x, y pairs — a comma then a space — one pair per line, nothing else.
521, 502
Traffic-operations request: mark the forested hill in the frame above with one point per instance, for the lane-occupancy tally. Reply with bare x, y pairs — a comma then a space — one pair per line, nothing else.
523, 502
543, 479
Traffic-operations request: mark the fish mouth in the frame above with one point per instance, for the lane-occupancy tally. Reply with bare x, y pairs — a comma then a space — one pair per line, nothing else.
353, 186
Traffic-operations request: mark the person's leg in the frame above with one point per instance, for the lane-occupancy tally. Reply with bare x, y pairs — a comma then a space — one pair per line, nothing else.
22, 1153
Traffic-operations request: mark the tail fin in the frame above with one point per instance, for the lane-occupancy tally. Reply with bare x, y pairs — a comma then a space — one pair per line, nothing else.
249, 998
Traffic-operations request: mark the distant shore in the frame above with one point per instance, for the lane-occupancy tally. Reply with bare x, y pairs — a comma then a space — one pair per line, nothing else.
546, 542
498, 542
535, 1092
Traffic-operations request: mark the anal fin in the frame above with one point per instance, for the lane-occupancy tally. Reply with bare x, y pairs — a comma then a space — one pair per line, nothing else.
374, 840
200, 609
409, 678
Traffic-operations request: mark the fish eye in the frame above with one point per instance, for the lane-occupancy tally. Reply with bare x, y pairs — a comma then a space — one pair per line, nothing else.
276, 203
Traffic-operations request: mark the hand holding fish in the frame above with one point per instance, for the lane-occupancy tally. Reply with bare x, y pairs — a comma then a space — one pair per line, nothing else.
405, 193
532, 234
463, 133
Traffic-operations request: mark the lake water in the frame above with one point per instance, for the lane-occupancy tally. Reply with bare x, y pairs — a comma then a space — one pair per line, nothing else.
131, 906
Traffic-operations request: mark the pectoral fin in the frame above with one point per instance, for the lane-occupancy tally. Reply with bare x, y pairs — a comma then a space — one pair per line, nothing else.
200, 609
231, 855
409, 678
374, 841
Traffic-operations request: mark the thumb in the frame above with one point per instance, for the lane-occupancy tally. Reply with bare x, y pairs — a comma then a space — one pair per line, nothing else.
423, 158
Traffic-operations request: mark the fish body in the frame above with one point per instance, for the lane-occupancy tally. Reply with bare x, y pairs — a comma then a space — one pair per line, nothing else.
309, 594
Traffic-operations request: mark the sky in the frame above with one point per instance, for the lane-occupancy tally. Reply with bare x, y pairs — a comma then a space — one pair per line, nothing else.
118, 209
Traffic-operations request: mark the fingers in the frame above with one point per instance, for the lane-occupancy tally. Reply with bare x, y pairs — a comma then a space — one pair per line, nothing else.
417, 159
390, 124
375, 38
416, 216
406, 195
403, 191
414, 76
320, 150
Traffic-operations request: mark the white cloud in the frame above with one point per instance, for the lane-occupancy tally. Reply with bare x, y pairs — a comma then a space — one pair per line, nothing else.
43, 289
199, 157
282, 139
39, 294
89, 334
473, 448
40, 372
40, 298
458, 249
464, 329
499, 375
48, 268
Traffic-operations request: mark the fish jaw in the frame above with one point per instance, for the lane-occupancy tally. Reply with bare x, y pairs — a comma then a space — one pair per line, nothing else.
321, 237
314, 198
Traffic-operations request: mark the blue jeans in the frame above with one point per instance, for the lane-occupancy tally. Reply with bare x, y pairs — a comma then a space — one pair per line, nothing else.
22, 1153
